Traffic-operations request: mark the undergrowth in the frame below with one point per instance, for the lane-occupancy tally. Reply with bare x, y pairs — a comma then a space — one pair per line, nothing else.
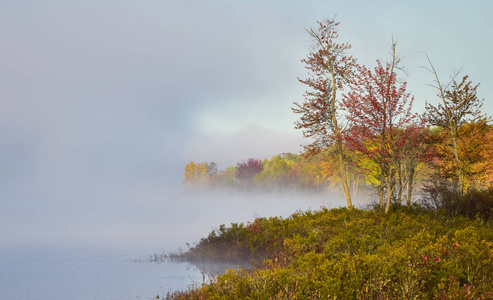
409, 253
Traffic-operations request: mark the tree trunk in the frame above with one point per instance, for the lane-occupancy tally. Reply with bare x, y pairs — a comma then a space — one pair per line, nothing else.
410, 185
380, 195
455, 150
401, 183
389, 195
390, 190
356, 185
343, 174
381, 187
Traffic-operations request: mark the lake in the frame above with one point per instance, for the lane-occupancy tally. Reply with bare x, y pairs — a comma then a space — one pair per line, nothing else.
110, 261
43, 273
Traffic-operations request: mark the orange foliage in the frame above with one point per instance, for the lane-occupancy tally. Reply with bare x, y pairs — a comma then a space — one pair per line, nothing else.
475, 152
489, 154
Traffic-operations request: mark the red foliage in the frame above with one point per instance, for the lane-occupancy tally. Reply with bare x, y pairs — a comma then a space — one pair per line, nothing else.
254, 227
330, 68
383, 131
379, 109
247, 170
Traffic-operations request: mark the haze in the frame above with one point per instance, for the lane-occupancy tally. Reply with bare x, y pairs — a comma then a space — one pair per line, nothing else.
104, 102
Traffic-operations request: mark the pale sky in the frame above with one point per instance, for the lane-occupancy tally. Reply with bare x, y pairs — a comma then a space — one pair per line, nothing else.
104, 102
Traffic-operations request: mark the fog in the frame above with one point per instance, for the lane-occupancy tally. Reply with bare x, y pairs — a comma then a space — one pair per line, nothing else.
103, 103
150, 219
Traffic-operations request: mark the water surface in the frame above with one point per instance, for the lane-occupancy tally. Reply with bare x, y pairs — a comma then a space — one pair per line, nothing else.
106, 257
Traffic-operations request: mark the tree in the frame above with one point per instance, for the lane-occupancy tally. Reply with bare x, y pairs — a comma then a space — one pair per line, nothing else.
459, 105
379, 110
195, 174
330, 68
330, 171
246, 171
414, 153
473, 152
280, 171
211, 168
226, 178
273, 168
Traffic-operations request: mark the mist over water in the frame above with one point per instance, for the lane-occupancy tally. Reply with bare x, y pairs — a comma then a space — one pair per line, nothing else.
148, 218
103, 103
88, 251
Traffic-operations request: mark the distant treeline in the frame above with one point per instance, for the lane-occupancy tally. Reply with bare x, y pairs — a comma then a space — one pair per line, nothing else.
288, 171
282, 171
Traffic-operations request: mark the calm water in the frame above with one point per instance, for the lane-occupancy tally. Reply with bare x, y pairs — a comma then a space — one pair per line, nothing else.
42, 273
99, 263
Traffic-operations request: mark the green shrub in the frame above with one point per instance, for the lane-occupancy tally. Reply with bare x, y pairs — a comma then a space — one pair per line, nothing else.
357, 254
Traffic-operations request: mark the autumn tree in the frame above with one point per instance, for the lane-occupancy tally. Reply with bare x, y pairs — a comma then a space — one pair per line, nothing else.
415, 151
473, 151
379, 110
459, 105
330, 172
226, 178
293, 178
246, 171
199, 174
330, 68
195, 174
280, 171
273, 168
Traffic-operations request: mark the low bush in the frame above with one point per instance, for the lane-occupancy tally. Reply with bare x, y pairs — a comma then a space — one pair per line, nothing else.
471, 204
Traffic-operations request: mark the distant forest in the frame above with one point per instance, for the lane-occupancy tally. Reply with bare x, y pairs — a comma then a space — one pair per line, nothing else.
288, 171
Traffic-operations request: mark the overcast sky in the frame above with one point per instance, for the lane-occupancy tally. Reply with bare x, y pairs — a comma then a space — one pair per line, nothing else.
104, 102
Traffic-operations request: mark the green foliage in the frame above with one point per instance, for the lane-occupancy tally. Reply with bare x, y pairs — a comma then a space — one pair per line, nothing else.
408, 253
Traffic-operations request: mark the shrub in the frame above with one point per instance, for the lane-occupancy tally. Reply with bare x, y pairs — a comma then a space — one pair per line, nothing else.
472, 204
357, 254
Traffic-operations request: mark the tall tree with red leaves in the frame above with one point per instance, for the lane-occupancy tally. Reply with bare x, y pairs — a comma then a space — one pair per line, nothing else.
383, 129
330, 68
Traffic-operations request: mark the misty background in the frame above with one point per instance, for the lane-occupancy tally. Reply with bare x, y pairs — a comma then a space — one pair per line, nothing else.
103, 103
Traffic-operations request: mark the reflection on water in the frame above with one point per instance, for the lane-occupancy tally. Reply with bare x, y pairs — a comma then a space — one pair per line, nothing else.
209, 269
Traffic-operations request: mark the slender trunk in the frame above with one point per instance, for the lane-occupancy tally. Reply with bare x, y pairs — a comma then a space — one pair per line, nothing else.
338, 136
410, 185
343, 174
400, 192
381, 187
390, 190
455, 150
390, 185
401, 183
355, 185
380, 195
389, 196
